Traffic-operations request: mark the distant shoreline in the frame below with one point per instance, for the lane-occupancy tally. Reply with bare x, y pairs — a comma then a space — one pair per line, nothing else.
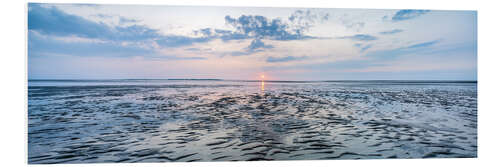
274, 81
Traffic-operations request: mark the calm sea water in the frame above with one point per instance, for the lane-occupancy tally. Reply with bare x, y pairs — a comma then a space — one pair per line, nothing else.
94, 121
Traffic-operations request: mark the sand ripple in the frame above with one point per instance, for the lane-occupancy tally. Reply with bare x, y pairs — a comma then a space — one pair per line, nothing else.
89, 124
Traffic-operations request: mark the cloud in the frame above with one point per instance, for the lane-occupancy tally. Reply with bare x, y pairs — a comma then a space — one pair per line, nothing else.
44, 44
205, 31
351, 22
395, 31
128, 39
301, 21
52, 21
365, 48
225, 35
192, 49
362, 48
284, 59
257, 43
255, 46
172, 57
103, 16
85, 5
261, 27
407, 14
391, 54
354, 25
360, 37
178, 40
239, 53
124, 20
423, 44
55, 22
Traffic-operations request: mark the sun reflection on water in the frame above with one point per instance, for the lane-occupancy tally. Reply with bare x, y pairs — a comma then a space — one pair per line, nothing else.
262, 85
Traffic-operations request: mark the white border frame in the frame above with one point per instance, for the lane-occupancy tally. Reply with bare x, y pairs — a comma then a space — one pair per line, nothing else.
14, 68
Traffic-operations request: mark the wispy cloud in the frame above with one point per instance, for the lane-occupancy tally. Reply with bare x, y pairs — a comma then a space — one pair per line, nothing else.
423, 44
43, 45
284, 59
354, 25
362, 47
39, 43
407, 14
360, 37
391, 54
255, 46
394, 31
301, 21
124, 20
192, 49
100, 15
225, 35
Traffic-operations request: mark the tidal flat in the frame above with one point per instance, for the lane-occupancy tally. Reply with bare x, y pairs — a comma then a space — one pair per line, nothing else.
126, 121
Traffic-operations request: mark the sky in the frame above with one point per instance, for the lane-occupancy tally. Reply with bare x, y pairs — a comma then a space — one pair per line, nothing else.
87, 41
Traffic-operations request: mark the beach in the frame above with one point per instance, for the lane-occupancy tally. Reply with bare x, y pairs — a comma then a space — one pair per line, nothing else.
103, 121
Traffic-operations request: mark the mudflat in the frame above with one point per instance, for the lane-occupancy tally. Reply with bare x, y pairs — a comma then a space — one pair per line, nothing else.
212, 120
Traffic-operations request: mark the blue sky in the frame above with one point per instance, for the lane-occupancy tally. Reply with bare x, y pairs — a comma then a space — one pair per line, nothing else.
74, 41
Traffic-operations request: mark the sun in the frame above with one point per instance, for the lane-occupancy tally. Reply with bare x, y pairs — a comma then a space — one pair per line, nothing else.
262, 76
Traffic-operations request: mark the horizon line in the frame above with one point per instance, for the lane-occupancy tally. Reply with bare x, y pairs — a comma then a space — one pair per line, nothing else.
218, 79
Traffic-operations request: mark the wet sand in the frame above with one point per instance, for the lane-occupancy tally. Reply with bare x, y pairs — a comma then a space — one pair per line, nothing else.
238, 121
